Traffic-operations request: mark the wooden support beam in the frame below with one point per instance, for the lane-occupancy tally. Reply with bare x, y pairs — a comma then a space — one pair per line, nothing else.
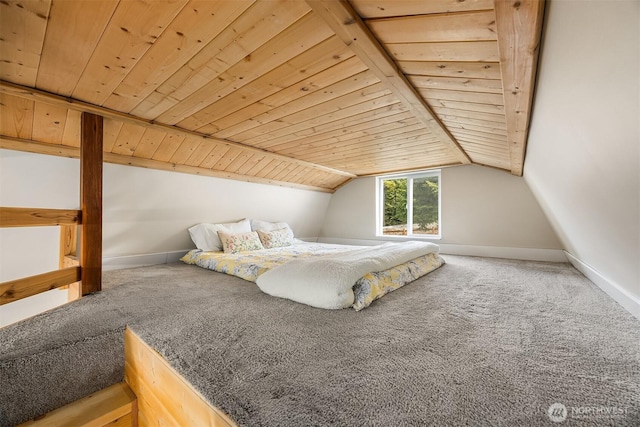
32, 217
519, 24
73, 104
15, 290
91, 202
68, 258
350, 28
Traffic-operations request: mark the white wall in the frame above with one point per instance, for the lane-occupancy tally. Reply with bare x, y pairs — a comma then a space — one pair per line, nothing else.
149, 211
145, 212
481, 208
583, 155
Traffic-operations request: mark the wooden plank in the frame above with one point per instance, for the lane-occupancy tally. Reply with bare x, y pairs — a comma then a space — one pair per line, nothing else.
200, 153
470, 26
12, 143
22, 30
76, 106
475, 122
48, 122
214, 156
482, 51
343, 125
456, 124
15, 290
397, 130
463, 96
344, 93
383, 148
500, 139
477, 70
519, 25
191, 31
154, 381
308, 32
385, 8
293, 79
91, 156
128, 139
347, 25
73, 31
371, 131
240, 161
239, 42
467, 106
132, 30
240, 120
16, 116
457, 83
274, 130
102, 408
31, 217
111, 131
187, 147
149, 143
68, 239
466, 114
71, 134
168, 147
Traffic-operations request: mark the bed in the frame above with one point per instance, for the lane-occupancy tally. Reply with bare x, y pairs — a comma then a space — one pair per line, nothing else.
320, 275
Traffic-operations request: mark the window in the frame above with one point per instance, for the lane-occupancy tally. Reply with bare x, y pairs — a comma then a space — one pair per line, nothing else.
409, 205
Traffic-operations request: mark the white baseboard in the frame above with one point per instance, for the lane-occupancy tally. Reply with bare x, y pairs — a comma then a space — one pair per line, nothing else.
131, 261
611, 288
528, 254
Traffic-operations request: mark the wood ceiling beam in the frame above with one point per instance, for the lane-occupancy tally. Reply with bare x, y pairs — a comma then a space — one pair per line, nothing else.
350, 28
519, 25
74, 104
31, 146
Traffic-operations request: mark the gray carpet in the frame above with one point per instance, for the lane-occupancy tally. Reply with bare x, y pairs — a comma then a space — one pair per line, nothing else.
477, 342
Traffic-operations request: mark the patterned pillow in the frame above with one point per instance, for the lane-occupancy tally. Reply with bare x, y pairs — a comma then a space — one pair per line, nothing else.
276, 238
240, 242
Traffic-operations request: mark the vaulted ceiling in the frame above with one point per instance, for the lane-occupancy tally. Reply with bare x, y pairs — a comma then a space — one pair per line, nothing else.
307, 94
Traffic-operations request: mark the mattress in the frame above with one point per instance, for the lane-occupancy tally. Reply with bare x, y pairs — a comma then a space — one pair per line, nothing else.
368, 288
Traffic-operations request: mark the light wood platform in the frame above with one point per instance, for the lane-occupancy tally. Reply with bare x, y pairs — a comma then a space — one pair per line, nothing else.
164, 397
114, 406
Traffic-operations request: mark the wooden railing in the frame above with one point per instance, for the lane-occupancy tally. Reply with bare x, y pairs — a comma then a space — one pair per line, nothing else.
86, 277
70, 273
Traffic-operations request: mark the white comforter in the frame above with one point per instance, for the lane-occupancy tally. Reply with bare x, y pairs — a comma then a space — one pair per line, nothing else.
327, 282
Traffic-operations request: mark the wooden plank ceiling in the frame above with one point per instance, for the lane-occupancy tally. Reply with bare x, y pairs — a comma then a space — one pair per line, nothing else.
307, 94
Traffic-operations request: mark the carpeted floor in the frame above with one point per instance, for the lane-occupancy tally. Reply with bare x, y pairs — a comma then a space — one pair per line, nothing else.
478, 342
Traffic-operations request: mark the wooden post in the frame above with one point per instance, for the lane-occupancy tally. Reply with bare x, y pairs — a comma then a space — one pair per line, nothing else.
91, 202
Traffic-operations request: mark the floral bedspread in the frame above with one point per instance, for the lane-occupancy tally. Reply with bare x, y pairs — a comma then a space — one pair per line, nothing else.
250, 265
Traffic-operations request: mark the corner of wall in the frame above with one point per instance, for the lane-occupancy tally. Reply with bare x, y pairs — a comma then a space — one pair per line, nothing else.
628, 301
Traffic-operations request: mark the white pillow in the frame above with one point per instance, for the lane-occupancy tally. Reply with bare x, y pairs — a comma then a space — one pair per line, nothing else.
205, 236
257, 224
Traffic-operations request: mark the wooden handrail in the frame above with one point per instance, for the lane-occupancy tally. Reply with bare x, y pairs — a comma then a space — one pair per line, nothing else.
31, 217
15, 290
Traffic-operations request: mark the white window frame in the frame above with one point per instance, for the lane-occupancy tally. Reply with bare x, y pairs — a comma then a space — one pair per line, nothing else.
410, 177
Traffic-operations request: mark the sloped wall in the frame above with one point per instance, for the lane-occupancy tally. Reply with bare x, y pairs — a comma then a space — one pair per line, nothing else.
149, 211
583, 156
482, 208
